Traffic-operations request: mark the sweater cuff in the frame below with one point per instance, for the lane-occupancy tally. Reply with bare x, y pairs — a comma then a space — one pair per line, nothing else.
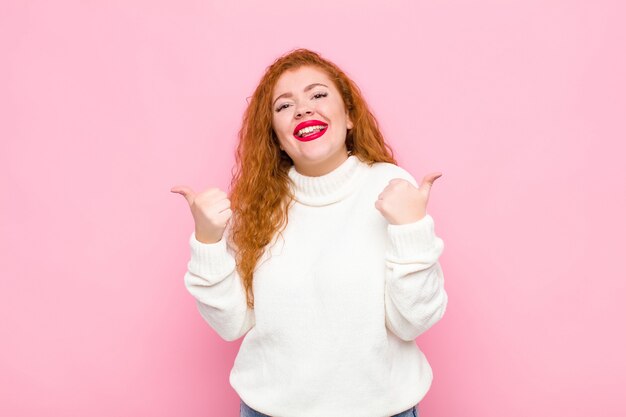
209, 260
411, 241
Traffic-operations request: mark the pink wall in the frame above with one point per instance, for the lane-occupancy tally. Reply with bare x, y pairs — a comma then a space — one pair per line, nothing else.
104, 106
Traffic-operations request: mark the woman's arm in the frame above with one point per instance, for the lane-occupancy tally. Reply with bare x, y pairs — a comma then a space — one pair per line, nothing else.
415, 298
213, 280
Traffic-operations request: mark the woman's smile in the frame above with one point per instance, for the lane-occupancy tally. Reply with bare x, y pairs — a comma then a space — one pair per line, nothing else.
309, 130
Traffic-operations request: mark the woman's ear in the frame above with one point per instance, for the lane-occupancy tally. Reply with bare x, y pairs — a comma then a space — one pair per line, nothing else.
349, 124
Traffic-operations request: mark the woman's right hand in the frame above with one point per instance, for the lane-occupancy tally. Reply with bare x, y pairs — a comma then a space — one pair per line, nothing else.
210, 210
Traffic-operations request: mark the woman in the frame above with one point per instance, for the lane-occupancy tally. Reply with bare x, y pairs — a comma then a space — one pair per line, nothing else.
323, 255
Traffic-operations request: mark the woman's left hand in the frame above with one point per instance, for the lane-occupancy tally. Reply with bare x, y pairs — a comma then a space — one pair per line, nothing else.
401, 202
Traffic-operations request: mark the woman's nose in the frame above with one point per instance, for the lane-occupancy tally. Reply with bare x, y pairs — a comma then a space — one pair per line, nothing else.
299, 112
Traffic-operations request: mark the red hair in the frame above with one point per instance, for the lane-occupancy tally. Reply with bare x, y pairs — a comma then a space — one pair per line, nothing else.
260, 193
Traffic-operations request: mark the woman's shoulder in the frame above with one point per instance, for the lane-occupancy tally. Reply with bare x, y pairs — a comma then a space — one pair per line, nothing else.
386, 171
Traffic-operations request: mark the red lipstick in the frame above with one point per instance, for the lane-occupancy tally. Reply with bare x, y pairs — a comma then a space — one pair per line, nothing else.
312, 136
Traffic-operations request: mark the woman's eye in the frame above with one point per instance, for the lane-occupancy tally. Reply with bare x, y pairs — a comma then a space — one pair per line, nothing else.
285, 105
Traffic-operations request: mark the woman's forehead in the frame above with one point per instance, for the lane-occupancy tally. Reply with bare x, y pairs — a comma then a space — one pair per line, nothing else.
301, 77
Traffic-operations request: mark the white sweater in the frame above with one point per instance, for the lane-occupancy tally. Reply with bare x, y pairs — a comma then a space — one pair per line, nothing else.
339, 302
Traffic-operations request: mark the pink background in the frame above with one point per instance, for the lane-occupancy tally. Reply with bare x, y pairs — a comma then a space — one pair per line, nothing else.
104, 106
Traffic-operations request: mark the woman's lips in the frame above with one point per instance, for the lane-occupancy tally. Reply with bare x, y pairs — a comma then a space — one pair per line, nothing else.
311, 136
310, 123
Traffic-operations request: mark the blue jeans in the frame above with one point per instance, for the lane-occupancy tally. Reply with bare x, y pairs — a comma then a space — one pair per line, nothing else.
247, 411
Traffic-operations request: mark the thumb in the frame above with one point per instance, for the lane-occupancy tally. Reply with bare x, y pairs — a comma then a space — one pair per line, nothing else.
185, 191
429, 179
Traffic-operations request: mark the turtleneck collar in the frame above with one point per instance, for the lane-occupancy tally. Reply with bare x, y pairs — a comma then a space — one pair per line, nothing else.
328, 188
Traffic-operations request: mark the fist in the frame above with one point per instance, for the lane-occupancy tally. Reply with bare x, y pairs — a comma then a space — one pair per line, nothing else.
401, 202
210, 210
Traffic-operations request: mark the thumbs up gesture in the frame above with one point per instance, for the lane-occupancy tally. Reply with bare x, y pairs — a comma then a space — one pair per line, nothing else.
210, 210
401, 202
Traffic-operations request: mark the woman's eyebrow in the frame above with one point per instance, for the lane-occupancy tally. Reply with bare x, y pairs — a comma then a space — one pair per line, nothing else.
307, 88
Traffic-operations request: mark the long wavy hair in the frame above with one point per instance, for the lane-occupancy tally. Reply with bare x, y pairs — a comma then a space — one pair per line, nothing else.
260, 192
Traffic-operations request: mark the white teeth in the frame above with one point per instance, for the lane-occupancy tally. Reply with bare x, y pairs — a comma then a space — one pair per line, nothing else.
310, 129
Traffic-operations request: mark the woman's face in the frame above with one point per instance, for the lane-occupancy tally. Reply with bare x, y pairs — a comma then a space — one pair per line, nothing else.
305, 98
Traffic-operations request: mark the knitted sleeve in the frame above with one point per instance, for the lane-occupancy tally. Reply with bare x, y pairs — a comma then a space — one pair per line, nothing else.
415, 298
213, 280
